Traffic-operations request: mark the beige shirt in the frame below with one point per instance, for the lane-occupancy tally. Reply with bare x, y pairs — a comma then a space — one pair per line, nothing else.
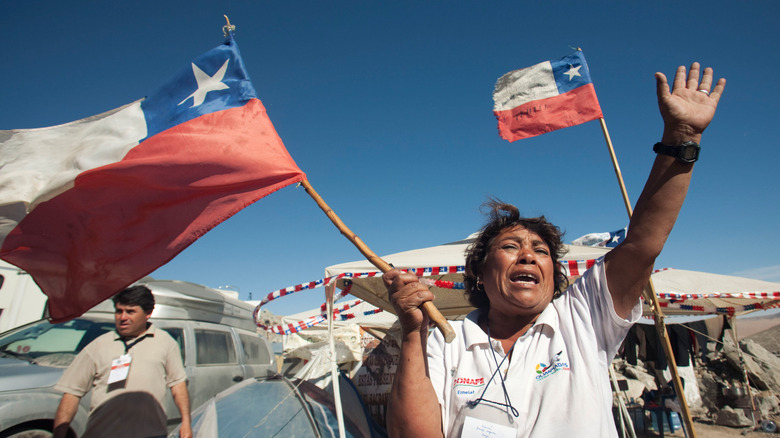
156, 365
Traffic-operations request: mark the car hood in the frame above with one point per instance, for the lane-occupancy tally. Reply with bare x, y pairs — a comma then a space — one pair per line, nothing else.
16, 374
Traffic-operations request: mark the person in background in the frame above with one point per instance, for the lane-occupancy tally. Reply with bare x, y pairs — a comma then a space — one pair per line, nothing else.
532, 360
128, 371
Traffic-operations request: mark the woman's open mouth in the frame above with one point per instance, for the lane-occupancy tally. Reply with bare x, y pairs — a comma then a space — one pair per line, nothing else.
525, 277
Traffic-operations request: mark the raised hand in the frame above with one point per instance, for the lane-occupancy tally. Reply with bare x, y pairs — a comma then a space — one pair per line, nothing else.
689, 107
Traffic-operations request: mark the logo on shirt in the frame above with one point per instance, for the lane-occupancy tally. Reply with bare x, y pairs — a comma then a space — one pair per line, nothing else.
467, 385
544, 371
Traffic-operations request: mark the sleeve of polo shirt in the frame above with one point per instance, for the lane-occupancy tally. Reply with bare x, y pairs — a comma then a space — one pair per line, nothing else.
610, 329
174, 369
78, 377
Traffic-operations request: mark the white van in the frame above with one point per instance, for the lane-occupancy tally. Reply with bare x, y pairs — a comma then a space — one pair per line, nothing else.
21, 300
216, 333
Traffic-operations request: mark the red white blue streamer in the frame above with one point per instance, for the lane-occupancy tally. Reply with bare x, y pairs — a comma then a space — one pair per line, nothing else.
338, 313
677, 301
570, 268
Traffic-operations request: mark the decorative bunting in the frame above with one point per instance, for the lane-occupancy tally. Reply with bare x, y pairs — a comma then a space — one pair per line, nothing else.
570, 268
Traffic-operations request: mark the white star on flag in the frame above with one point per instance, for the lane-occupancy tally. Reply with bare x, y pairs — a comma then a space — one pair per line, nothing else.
206, 83
573, 71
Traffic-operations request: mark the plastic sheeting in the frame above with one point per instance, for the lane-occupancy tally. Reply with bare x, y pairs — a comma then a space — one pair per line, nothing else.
276, 407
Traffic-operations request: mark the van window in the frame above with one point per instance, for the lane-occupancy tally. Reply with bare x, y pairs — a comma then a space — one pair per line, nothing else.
255, 350
178, 335
41, 339
214, 347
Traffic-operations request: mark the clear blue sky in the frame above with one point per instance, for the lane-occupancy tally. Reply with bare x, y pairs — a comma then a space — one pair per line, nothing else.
387, 107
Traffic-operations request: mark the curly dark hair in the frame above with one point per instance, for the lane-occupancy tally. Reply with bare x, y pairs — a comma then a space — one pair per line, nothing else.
502, 216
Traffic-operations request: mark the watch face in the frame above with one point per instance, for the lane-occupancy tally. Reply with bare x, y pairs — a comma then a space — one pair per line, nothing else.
689, 153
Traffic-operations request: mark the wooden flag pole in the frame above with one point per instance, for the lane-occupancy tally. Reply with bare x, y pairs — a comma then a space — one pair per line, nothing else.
428, 307
651, 298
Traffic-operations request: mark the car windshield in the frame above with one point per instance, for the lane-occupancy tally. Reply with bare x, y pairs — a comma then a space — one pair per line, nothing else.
50, 344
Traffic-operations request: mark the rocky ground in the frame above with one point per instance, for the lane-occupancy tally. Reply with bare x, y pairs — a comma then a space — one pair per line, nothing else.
714, 431
769, 339
719, 414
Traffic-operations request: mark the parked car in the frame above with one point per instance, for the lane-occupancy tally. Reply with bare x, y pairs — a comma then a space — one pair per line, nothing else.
216, 334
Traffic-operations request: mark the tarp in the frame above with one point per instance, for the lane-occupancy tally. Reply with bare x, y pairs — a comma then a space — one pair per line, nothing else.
277, 407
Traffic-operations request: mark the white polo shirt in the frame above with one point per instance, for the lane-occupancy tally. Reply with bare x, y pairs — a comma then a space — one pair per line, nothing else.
558, 378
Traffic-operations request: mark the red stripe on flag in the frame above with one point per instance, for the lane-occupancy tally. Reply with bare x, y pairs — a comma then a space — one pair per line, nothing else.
545, 115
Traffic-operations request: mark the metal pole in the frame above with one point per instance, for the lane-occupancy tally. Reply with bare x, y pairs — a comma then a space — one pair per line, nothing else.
334, 371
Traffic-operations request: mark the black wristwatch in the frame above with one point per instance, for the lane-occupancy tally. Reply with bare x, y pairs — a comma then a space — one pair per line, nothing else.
687, 152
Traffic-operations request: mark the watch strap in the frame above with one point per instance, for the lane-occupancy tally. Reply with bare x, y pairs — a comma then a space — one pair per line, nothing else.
687, 152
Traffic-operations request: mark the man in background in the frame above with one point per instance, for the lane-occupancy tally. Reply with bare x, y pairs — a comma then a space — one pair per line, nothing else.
128, 371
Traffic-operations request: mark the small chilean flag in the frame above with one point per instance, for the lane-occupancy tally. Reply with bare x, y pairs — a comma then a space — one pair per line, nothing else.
89, 207
545, 97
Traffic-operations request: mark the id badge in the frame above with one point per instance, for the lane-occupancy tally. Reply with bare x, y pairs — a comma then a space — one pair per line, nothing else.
477, 428
484, 420
119, 369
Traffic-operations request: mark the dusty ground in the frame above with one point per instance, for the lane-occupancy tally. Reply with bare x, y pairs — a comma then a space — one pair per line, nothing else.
713, 431
747, 327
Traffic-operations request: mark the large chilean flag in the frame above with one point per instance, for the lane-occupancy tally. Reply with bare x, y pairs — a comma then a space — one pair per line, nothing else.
545, 97
91, 206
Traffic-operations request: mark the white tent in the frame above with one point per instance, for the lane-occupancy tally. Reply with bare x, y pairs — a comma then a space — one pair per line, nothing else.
353, 328
682, 292
346, 330
443, 262
679, 292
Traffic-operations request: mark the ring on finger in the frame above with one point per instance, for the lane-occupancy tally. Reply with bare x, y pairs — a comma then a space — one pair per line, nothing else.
704, 91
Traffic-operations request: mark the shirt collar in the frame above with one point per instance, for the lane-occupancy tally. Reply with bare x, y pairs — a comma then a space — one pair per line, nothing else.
472, 332
474, 335
148, 332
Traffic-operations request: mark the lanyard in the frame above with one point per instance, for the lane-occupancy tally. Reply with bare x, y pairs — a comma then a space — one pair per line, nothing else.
130, 345
508, 403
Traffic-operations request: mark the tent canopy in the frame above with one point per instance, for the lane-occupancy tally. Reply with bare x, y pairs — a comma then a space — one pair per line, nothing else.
682, 292
443, 262
679, 292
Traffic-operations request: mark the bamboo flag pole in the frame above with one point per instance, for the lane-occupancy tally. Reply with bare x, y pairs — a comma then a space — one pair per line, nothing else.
652, 300
428, 307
